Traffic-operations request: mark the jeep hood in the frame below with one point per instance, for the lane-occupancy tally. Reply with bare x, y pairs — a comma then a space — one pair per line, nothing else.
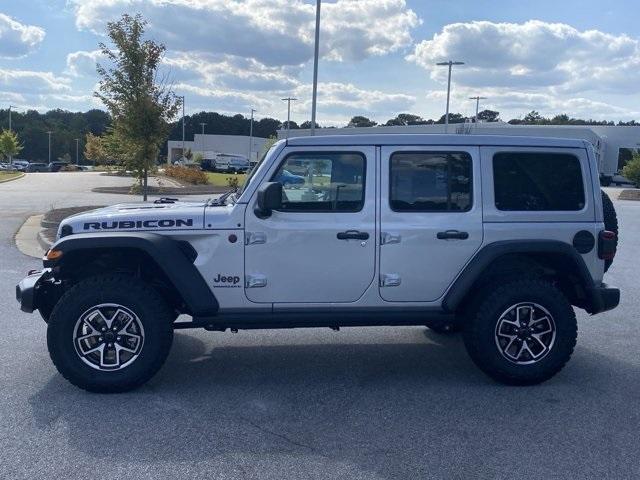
153, 217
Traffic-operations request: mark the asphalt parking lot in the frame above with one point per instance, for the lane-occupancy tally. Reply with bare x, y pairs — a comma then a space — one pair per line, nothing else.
374, 403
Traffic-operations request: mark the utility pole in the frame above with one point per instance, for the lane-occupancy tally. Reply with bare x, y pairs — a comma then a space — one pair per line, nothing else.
202, 124
449, 64
77, 157
477, 99
49, 133
251, 135
316, 53
289, 100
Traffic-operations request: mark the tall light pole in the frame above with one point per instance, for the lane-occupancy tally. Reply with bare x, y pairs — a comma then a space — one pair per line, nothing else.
449, 64
183, 152
289, 100
316, 53
77, 157
49, 133
10, 156
10, 107
477, 99
251, 135
202, 124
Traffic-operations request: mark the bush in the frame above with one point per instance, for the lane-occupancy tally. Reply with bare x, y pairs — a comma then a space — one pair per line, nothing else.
186, 175
632, 170
233, 182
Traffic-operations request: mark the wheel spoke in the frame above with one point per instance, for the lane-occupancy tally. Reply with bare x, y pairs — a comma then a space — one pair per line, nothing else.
518, 327
101, 335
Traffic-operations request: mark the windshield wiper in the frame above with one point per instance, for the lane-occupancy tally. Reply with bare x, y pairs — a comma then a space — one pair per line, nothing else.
220, 201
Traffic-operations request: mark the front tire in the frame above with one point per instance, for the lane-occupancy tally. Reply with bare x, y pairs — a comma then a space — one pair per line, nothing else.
110, 333
522, 333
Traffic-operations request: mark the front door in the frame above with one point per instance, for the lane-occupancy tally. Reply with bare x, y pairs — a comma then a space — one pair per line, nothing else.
431, 219
320, 246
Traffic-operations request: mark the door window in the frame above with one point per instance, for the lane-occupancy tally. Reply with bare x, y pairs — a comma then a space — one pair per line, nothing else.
529, 181
430, 182
322, 182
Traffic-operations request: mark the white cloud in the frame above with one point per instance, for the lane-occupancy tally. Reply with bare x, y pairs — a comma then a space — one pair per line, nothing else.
18, 39
27, 81
274, 32
83, 63
532, 55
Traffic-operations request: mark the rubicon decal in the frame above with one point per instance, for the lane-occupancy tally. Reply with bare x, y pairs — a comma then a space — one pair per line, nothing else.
132, 224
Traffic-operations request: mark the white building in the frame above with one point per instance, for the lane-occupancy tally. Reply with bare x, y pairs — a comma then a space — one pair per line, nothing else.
211, 145
606, 140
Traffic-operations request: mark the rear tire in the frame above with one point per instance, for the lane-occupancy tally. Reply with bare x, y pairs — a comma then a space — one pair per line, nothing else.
110, 333
518, 309
610, 222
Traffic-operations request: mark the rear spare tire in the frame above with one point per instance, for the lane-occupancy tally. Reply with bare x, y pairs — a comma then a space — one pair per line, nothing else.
610, 221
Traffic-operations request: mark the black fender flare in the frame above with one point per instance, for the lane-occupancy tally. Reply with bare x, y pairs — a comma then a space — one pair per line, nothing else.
487, 254
170, 256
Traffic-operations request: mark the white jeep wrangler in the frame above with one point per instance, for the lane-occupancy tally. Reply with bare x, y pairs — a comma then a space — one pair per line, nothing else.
495, 236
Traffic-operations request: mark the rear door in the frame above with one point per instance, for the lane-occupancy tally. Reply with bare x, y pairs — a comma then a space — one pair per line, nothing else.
431, 219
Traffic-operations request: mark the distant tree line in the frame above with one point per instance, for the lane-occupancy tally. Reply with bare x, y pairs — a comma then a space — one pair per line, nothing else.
31, 127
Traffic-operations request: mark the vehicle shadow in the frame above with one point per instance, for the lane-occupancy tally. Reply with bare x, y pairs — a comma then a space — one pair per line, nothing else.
378, 409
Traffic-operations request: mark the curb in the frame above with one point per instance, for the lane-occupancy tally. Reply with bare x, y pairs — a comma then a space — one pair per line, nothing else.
12, 178
27, 237
44, 242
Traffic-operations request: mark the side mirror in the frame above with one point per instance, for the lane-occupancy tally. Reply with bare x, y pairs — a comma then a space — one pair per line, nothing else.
269, 199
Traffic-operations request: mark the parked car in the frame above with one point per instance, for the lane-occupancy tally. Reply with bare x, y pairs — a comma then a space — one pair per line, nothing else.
208, 165
57, 166
499, 249
37, 167
288, 178
230, 164
20, 165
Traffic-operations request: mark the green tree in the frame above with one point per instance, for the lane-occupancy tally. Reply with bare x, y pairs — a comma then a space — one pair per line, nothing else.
360, 121
140, 105
9, 144
632, 169
94, 149
489, 116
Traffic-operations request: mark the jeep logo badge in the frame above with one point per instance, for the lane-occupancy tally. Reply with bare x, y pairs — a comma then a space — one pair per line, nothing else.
227, 281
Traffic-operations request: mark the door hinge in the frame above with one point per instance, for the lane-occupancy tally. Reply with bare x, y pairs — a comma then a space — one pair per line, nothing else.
388, 238
255, 238
255, 281
390, 280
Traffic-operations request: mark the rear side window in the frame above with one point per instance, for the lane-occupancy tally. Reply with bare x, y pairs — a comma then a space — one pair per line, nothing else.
430, 182
529, 181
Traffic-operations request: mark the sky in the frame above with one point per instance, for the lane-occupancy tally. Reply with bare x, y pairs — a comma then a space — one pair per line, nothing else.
579, 57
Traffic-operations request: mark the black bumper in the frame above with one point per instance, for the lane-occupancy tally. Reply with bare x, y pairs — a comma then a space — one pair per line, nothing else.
604, 298
26, 291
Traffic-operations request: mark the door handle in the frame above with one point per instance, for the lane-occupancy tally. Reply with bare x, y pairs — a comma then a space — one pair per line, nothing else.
452, 235
352, 235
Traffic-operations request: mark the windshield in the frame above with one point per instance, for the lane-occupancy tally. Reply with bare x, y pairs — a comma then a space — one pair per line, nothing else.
254, 170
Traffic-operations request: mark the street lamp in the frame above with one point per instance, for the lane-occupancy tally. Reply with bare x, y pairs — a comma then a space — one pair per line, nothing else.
449, 64
49, 133
10, 156
289, 100
477, 99
10, 107
251, 135
202, 124
183, 152
315, 69
77, 157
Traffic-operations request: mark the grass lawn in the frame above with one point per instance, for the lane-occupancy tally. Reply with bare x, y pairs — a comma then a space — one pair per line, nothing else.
220, 179
8, 175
